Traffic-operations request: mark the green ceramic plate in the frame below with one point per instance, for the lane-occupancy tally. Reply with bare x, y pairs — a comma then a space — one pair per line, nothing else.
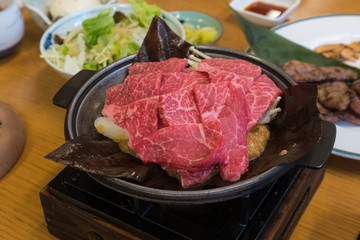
199, 20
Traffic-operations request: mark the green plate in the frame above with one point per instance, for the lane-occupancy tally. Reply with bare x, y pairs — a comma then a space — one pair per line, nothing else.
199, 20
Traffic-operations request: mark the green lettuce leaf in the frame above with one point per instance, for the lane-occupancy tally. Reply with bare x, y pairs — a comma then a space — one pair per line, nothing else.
144, 12
97, 26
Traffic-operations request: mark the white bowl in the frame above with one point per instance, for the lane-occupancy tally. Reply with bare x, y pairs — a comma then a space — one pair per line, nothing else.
11, 26
39, 10
70, 22
266, 21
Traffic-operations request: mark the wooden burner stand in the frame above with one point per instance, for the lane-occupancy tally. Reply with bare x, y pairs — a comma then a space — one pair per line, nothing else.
72, 214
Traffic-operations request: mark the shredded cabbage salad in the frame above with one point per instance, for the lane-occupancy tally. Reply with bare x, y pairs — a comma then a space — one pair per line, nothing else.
102, 40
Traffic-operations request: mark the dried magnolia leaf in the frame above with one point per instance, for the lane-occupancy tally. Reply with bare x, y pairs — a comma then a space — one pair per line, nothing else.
161, 43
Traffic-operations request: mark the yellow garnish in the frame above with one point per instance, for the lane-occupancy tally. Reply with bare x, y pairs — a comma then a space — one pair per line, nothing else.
203, 35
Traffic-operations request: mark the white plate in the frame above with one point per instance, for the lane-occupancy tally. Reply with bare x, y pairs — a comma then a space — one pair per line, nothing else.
315, 31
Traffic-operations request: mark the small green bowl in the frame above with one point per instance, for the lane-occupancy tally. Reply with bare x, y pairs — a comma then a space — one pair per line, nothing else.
199, 20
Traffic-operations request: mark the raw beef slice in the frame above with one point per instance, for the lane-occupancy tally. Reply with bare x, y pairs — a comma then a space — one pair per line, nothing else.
260, 98
169, 65
226, 101
134, 87
202, 77
178, 108
139, 119
187, 150
236, 107
210, 100
237, 66
177, 81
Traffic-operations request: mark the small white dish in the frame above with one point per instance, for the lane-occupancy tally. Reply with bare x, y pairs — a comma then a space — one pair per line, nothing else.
40, 11
269, 20
11, 26
72, 21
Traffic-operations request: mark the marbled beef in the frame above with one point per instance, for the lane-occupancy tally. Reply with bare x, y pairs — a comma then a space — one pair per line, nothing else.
220, 69
225, 101
177, 81
178, 108
202, 77
170, 65
134, 87
260, 97
193, 121
188, 150
139, 119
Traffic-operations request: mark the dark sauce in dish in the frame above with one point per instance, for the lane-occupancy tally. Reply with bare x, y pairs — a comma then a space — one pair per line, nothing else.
265, 8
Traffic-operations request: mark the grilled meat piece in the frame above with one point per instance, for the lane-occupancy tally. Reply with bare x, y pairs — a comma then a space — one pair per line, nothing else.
321, 108
356, 86
334, 95
326, 114
337, 116
355, 102
337, 95
331, 117
348, 115
350, 118
303, 72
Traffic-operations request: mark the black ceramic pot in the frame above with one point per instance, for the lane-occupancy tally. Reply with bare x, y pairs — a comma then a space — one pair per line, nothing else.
84, 96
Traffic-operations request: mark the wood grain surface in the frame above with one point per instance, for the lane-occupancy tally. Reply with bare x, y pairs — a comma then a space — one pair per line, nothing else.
28, 84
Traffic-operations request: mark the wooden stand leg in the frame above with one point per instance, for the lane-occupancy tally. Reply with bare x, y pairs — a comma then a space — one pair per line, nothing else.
294, 204
68, 222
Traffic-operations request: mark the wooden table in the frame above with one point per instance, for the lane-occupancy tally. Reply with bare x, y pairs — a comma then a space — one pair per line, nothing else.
28, 84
